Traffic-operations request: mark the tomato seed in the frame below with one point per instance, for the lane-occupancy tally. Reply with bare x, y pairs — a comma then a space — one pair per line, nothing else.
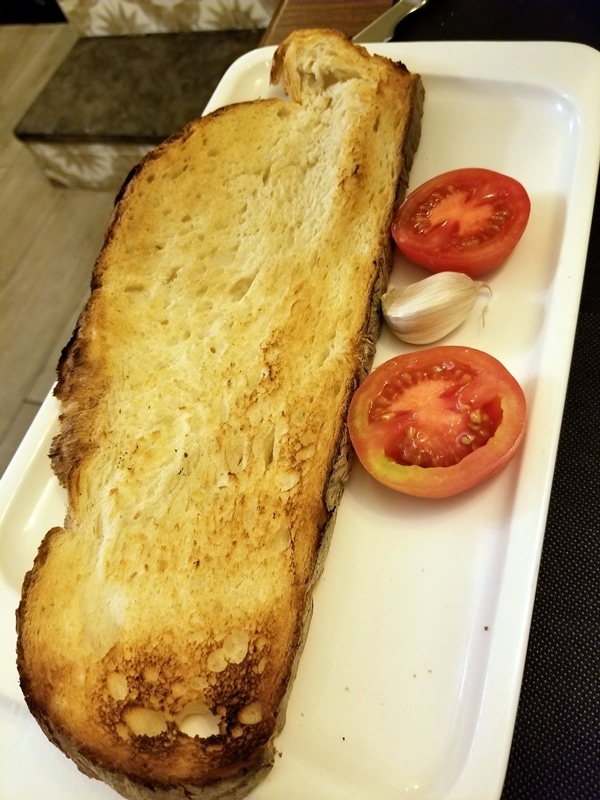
475, 417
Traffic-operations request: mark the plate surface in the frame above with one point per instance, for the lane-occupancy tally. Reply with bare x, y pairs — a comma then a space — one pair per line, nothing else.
410, 678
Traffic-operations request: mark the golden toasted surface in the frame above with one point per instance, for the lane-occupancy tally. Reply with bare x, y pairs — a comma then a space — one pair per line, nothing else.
203, 444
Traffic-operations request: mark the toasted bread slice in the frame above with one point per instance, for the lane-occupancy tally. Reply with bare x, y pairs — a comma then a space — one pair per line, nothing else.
203, 446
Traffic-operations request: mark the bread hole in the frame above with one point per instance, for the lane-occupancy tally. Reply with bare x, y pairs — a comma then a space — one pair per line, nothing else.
196, 719
251, 714
269, 448
266, 174
337, 386
307, 445
281, 541
123, 731
145, 721
218, 606
263, 448
186, 218
135, 287
216, 661
233, 453
241, 287
172, 275
179, 170
304, 453
198, 683
262, 665
321, 357
286, 480
117, 686
178, 338
233, 651
235, 647
299, 417
341, 75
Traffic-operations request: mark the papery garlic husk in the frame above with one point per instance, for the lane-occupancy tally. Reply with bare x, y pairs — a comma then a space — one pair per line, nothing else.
428, 310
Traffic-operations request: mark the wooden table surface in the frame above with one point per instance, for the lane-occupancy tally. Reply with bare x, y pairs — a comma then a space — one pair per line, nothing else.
350, 17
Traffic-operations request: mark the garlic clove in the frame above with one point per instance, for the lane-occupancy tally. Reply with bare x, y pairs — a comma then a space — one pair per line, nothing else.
428, 310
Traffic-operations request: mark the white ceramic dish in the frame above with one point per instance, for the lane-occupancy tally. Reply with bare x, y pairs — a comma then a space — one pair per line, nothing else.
410, 678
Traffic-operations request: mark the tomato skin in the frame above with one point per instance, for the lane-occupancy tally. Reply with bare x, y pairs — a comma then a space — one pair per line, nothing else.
466, 220
420, 406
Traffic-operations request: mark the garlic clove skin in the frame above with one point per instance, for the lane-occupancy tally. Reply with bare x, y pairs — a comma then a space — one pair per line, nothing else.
428, 310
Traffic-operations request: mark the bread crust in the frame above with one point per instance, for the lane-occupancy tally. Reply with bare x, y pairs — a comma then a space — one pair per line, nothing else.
234, 308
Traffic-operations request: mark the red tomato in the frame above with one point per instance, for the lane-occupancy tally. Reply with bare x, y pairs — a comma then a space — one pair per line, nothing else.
435, 422
467, 220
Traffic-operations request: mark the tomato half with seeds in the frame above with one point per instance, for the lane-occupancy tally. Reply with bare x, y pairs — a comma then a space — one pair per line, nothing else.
466, 220
435, 422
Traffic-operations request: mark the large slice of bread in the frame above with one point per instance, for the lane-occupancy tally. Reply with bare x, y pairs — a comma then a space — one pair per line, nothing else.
233, 311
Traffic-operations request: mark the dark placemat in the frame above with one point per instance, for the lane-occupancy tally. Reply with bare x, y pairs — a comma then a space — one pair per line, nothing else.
556, 746
555, 753
504, 20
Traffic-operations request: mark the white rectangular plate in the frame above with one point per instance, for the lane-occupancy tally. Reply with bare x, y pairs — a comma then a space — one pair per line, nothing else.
410, 678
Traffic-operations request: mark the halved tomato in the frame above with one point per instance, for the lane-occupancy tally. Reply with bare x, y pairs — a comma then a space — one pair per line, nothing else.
466, 220
435, 422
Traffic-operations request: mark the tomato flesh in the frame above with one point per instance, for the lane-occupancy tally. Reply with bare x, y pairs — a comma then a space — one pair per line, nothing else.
436, 422
455, 425
466, 220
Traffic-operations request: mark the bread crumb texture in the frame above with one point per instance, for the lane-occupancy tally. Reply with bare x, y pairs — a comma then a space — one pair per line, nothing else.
202, 437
